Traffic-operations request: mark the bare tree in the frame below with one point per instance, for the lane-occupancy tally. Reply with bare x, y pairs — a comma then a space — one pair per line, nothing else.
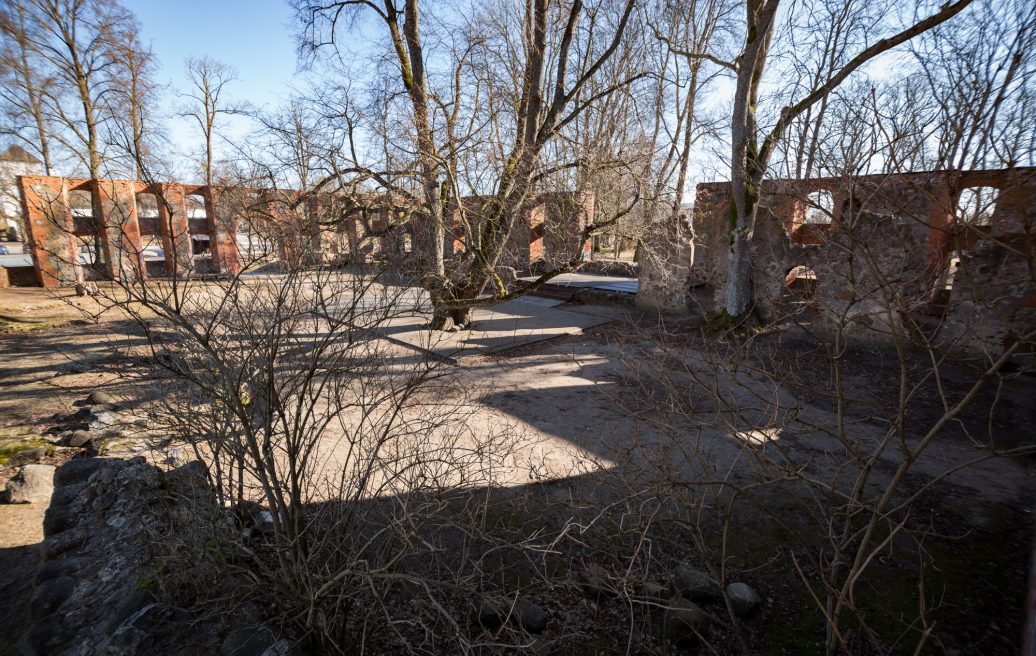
209, 103
977, 71
25, 81
553, 74
750, 155
133, 101
79, 40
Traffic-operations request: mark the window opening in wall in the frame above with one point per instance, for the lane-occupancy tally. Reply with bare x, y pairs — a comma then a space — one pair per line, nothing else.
200, 245
800, 288
976, 205
88, 230
800, 278
152, 248
820, 207
942, 294
80, 204
252, 241
952, 267
197, 216
147, 213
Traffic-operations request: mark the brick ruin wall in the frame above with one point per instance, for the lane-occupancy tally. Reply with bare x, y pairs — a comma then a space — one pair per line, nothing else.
229, 222
890, 247
547, 232
112, 221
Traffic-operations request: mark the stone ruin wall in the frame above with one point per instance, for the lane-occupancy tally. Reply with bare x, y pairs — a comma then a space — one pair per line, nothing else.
890, 250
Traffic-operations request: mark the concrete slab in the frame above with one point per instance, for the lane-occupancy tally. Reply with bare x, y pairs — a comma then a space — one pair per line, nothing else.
517, 323
595, 281
539, 301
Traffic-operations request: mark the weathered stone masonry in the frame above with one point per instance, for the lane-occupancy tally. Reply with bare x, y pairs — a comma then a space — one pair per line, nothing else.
884, 247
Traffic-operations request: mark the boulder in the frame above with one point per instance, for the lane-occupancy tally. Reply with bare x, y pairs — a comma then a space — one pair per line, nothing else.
32, 484
80, 438
683, 621
652, 590
102, 422
71, 566
50, 594
491, 613
495, 610
47, 635
29, 456
282, 648
694, 584
596, 582
88, 288
98, 397
131, 605
67, 494
264, 522
78, 470
743, 598
99, 528
248, 641
62, 543
158, 629
58, 519
532, 617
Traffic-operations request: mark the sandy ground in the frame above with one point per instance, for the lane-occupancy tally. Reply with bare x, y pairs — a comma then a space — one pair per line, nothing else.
567, 405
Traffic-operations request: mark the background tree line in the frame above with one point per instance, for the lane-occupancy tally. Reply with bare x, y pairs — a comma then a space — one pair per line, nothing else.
424, 104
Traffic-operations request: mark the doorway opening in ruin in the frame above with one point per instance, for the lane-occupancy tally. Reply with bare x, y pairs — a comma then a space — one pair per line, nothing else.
152, 249
801, 278
91, 254
198, 227
200, 245
942, 294
255, 239
800, 287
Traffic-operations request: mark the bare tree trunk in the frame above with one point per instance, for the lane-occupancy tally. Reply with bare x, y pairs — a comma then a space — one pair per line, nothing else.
209, 78
746, 171
17, 27
749, 159
410, 54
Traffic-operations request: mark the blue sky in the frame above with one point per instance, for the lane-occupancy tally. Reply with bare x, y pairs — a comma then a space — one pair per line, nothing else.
253, 36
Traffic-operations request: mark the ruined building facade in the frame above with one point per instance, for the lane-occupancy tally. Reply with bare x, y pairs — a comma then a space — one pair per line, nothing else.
953, 252
82, 229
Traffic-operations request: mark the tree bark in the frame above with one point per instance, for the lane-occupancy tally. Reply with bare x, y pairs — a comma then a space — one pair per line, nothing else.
746, 171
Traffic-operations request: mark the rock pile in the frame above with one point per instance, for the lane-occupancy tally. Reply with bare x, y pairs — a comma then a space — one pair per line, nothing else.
682, 618
100, 415
91, 595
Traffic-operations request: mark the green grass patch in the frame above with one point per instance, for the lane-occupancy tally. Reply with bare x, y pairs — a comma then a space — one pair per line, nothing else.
11, 449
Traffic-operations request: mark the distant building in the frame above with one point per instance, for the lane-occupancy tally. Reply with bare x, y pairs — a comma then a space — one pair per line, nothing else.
15, 161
